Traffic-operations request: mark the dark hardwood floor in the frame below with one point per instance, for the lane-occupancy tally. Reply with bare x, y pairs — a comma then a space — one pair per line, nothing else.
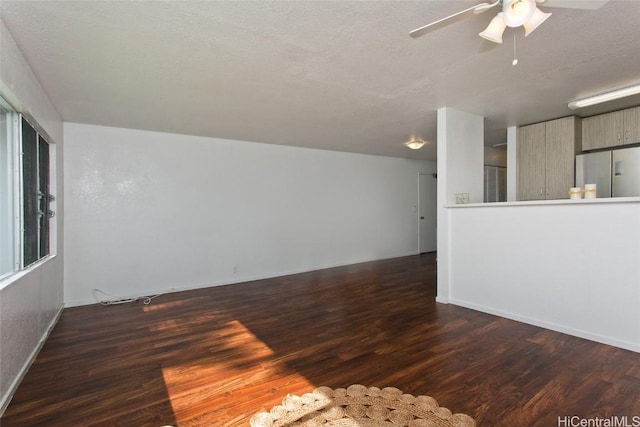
214, 357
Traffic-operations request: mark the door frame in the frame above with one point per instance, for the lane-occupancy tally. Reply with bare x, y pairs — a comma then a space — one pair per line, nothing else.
433, 175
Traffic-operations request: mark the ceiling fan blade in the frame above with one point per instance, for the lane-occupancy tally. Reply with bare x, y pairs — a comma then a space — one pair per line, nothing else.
573, 4
440, 23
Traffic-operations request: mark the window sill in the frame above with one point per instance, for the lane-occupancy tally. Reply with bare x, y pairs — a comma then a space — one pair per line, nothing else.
14, 277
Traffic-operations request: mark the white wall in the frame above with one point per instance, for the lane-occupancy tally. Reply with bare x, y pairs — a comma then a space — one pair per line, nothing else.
150, 212
512, 163
30, 301
460, 170
570, 267
461, 142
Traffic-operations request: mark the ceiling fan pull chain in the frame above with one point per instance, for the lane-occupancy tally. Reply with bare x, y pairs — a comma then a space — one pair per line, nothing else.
515, 60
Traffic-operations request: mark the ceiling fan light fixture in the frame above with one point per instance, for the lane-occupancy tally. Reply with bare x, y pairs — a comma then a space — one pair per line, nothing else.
517, 12
538, 18
415, 144
494, 30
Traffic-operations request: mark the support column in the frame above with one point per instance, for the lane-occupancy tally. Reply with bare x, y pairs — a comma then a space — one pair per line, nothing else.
460, 170
512, 166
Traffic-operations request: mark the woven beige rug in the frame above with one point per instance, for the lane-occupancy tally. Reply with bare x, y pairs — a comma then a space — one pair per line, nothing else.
359, 406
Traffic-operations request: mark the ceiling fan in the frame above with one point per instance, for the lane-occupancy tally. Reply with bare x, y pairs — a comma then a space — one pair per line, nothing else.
514, 13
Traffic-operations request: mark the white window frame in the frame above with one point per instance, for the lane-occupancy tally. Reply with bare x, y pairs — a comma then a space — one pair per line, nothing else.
13, 152
17, 192
14, 122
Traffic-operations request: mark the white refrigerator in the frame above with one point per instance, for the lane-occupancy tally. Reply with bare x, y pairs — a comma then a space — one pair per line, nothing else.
616, 172
595, 168
625, 179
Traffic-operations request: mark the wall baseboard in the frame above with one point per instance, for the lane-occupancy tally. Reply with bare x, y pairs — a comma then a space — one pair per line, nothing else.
244, 279
550, 325
6, 399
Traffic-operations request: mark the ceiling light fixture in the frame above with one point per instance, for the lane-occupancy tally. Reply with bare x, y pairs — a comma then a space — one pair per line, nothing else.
415, 144
605, 97
538, 18
515, 13
494, 31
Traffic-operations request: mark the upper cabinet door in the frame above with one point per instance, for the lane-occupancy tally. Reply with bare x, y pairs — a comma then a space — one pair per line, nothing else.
604, 130
632, 125
560, 157
531, 162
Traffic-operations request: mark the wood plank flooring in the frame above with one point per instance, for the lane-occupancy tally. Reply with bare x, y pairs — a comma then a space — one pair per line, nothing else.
214, 357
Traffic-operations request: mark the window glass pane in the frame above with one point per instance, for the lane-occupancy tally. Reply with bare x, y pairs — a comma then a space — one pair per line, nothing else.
43, 184
30, 220
7, 216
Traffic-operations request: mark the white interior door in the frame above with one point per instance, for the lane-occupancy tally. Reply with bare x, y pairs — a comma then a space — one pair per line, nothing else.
428, 213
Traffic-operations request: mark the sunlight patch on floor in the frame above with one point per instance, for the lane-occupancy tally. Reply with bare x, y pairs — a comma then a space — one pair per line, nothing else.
204, 390
156, 305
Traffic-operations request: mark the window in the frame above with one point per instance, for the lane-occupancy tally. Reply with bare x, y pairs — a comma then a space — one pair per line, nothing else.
7, 194
24, 192
35, 195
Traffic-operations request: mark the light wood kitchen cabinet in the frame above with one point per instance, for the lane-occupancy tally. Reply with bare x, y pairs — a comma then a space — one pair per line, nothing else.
546, 159
631, 125
531, 163
601, 131
611, 129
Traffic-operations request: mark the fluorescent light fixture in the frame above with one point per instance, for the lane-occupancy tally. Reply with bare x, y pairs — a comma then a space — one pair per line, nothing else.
414, 144
494, 30
538, 18
605, 97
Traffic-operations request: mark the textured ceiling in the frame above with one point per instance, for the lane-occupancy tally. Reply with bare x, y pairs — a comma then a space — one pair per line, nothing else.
339, 75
